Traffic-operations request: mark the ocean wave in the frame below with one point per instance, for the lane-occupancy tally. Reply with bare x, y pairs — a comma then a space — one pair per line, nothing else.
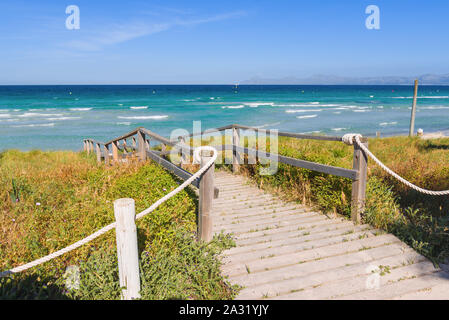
124, 123
5, 115
433, 108
34, 125
139, 107
258, 104
80, 109
363, 110
423, 97
308, 116
32, 114
307, 105
383, 124
339, 129
143, 117
300, 111
234, 107
63, 118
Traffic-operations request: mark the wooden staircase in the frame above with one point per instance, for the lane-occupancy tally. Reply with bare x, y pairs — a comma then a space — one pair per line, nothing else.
289, 251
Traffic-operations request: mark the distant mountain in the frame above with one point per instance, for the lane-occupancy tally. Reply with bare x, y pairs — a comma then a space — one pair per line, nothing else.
426, 79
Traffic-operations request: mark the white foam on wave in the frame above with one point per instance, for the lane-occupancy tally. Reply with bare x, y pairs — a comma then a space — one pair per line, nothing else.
124, 123
144, 117
139, 107
363, 110
300, 111
308, 116
339, 129
34, 125
5, 115
423, 97
80, 109
63, 118
383, 124
234, 107
433, 108
32, 114
258, 104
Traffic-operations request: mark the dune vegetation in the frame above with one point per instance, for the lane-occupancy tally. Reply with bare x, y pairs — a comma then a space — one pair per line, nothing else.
422, 221
52, 199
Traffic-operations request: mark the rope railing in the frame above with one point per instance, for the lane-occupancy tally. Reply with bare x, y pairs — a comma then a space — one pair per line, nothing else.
352, 137
199, 173
359, 182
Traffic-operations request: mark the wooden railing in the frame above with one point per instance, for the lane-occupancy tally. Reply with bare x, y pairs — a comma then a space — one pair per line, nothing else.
141, 146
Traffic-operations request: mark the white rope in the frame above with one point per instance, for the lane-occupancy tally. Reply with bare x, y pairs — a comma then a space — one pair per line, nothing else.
351, 138
197, 157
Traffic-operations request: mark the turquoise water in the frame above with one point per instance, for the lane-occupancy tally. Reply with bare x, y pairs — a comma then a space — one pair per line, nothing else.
59, 117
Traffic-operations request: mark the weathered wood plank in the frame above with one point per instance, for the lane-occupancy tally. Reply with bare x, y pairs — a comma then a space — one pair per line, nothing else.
341, 172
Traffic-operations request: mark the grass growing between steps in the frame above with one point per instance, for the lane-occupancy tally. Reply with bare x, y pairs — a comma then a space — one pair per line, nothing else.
52, 199
420, 220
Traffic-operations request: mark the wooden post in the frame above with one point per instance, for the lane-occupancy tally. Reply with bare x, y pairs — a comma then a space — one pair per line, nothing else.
91, 146
88, 146
134, 142
206, 195
106, 154
184, 159
124, 146
84, 146
360, 163
147, 144
98, 151
115, 151
127, 253
412, 120
142, 148
235, 154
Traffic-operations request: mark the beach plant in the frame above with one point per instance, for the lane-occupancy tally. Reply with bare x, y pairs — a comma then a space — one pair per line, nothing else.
66, 196
422, 221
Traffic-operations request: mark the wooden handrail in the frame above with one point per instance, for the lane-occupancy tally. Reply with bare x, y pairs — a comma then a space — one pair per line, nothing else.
336, 171
358, 174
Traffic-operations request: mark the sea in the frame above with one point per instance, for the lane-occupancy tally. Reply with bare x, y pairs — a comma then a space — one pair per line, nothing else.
60, 117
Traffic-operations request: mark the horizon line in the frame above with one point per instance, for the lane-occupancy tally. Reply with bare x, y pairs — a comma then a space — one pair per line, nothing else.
216, 84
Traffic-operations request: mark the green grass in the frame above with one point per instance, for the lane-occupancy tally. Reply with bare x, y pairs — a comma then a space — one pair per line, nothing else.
52, 199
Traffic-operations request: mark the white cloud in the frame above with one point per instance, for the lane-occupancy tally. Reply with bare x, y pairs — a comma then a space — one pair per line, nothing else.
122, 33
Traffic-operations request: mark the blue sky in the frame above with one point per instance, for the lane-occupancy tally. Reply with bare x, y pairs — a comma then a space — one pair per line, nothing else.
218, 42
